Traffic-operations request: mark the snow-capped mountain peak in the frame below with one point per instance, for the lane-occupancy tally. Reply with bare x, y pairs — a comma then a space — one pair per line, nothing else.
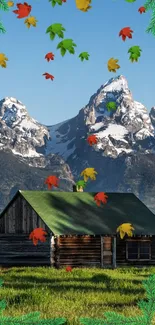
19, 132
119, 132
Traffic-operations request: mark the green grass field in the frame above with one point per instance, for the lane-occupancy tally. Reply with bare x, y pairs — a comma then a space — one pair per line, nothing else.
80, 293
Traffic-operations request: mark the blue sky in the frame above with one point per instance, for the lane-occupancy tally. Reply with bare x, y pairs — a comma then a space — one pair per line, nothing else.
96, 31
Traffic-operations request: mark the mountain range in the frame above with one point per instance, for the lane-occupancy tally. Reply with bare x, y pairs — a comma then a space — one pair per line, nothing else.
124, 156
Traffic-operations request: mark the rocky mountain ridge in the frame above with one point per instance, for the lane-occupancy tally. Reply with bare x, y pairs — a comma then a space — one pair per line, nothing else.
123, 157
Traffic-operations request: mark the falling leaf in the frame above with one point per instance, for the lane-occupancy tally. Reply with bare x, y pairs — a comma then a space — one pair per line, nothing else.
142, 10
89, 173
38, 234
126, 32
55, 29
31, 21
125, 228
23, 10
100, 197
49, 56
130, 1
66, 45
52, 181
111, 106
68, 269
48, 76
135, 53
92, 139
10, 3
83, 5
54, 2
81, 183
84, 56
112, 65
3, 60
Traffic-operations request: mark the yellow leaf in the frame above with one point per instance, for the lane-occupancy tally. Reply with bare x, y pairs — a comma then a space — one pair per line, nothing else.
31, 21
10, 3
83, 5
3, 60
112, 65
125, 228
88, 173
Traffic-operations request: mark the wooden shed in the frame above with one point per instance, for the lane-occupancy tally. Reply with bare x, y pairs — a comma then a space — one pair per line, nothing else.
79, 232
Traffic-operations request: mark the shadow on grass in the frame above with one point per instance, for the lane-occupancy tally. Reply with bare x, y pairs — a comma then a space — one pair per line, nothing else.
57, 285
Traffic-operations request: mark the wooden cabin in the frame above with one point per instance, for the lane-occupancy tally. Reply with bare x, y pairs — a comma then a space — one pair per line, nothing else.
79, 232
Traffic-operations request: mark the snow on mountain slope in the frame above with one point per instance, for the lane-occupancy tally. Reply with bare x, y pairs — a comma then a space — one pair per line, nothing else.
18, 131
119, 132
56, 145
123, 131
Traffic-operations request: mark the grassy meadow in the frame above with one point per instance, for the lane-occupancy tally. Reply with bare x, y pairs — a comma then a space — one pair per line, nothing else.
85, 292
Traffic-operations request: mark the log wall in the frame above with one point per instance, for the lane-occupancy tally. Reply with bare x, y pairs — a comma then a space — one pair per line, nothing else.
81, 251
15, 246
121, 252
20, 218
18, 250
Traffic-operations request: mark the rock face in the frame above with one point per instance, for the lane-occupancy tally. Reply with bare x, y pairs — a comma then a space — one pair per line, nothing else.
22, 160
123, 157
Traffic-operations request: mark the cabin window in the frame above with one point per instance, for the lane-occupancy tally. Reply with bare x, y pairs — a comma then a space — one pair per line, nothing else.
138, 250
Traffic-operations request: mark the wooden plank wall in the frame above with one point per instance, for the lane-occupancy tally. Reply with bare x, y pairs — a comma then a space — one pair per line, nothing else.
78, 251
15, 247
20, 218
121, 253
18, 250
82, 250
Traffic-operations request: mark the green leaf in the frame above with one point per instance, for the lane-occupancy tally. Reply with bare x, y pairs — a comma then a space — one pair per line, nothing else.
135, 53
55, 29
81, 183
54, 2
68, 45
130, 1
84, 56
111, 106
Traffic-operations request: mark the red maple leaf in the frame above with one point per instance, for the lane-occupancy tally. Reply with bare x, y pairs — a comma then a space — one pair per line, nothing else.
141, 9
48, 76
100, 197
49, 56
38, 234
92, 139
51, 181
125, 32
68, 269
63, 0
23, 10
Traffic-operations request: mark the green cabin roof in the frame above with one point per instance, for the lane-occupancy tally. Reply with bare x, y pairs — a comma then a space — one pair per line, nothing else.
67, 213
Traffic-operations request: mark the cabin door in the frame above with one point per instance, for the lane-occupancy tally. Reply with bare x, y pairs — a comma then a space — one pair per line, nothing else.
107, 251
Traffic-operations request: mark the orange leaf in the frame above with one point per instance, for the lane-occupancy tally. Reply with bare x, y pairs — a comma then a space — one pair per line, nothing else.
100, 197
52, 181
141, 9
48, 76
68, 269
92, 139
38, 234
125, 32
49, 56
23, 10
